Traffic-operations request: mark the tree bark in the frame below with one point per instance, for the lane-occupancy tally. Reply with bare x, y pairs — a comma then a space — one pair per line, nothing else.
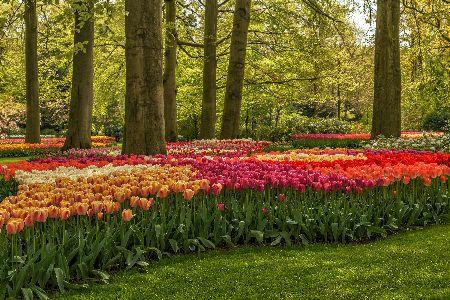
386, 119
169, 79
208, 119
144, 99
235, 78
81, 100
32, 133
339, 101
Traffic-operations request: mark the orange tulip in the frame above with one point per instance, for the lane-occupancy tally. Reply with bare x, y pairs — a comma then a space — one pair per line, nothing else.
40, 215
109, 207
134, 201
14, 226
64, 213
127, 215
163, 192
97, 206
188, 194
144, 204
29, 221
81, 209
53, 212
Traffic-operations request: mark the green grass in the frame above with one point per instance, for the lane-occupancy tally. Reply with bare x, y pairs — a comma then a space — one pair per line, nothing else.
410, 265
12, 159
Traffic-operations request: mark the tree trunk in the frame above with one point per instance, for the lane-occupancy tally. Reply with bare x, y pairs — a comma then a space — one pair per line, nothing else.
144, 100
81, 100
208, 119
32, 134
386, 119
235, 77
169, 79
339, 101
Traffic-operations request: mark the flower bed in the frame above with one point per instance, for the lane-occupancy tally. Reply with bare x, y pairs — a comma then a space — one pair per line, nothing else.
351, 140
427, 143
77, 217
17, 147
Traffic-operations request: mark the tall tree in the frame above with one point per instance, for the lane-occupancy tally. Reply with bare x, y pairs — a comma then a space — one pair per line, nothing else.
208, 119
144, 99
386, 119
235, 78
169, 79
81, 100
32, 133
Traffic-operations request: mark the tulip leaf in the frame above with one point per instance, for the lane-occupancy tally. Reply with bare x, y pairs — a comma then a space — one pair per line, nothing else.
207, 243
276, 241
59, 279
258, 235
27, 293
174, 245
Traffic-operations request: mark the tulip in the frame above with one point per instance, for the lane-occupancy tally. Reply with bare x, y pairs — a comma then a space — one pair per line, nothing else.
134, 201
64, 213
14, 226
81, 209
188, 194
29, 221
221, 207
144, 204
127, 215
163, 192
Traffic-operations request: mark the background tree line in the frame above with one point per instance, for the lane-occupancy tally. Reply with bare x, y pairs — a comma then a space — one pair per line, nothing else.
256, 68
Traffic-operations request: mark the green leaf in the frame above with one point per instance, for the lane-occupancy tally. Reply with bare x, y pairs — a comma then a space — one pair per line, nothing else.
102, 275
276, 241
207, 243
40, 293
60, 279
258, 235
158, 230
156, 250
174, 245
27, 293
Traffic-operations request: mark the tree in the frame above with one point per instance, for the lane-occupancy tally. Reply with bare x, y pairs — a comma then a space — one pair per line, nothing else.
81, 99
144, 100
169, 79
32, 133
386, 119
235, 78
208, 118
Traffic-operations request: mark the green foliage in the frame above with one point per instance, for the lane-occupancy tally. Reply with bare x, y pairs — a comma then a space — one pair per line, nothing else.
55, 253
286, 126
437, 120
7, 188
326, 143
28, 151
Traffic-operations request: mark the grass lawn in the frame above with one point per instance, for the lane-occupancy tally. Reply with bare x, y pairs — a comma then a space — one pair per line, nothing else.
12, 159
409, 265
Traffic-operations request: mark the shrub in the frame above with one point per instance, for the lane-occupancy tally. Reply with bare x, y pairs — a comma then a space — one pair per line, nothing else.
437, 121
